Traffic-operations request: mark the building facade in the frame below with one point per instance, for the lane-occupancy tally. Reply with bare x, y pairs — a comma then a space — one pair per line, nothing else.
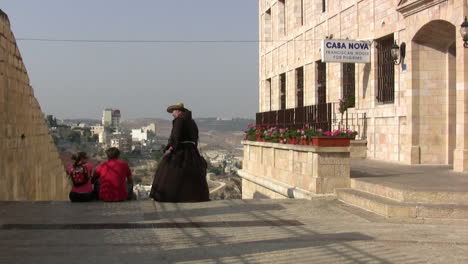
414, 111
107, 117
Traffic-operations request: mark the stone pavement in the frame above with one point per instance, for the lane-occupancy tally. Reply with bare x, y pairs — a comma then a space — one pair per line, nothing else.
322, 230
412, 177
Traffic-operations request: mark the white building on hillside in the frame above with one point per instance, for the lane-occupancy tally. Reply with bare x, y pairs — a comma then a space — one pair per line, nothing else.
141, 134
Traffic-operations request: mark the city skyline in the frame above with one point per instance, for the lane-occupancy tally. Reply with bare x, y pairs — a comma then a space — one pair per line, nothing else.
78, 79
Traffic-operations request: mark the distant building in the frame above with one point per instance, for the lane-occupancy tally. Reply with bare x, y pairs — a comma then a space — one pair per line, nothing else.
115, 143
96, 130
151, 127
104, 137
107, 117
115, 119
111, 118
126, 144
223, 119
141, 134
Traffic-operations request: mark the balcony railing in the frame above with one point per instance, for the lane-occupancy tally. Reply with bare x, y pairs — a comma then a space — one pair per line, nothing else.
320, 116
316, 116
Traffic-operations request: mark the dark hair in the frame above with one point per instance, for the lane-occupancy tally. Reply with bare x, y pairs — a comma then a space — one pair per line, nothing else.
79, 156
113, 153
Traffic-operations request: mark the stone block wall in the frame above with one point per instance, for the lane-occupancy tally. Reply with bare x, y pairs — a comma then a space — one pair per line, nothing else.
285, 168
425, 123
30, 168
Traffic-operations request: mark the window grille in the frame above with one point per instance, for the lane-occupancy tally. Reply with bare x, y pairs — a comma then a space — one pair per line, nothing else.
300, 87
349, 83
283, 91
385, 71
321, 83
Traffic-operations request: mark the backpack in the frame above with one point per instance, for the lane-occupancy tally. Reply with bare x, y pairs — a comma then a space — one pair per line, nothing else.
79, 175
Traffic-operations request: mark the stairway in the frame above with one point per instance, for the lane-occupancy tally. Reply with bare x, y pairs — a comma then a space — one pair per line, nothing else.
397, 201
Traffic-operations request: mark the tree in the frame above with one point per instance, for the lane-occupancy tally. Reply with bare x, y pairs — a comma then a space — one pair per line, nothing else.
74, 137
213, 169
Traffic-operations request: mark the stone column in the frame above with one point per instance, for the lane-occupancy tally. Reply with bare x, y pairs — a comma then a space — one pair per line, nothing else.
460, 162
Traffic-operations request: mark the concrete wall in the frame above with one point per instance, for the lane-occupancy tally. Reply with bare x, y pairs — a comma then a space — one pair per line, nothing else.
30, 168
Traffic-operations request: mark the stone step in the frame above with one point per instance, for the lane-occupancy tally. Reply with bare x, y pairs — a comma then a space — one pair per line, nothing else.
412, 196
391, 208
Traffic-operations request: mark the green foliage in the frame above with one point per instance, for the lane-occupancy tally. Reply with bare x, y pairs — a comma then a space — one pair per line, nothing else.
74, 137
283, 135
217, 170
151, 135
346, 103
87, 133
124, 157
157, 155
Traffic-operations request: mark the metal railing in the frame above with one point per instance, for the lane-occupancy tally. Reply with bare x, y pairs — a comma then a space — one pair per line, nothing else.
351, 121
320, 116
316, 116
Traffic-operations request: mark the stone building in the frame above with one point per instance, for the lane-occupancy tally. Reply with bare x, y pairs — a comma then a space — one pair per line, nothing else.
415, 111
30, 168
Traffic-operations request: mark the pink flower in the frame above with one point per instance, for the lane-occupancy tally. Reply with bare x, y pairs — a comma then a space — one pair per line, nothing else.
328, 133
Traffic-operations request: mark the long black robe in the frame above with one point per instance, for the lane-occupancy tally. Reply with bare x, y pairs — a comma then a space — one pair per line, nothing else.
181, 175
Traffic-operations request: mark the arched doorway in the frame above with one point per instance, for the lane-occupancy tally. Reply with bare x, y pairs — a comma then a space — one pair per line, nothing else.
434, 91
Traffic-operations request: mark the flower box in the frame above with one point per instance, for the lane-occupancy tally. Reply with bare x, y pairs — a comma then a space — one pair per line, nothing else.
330, 141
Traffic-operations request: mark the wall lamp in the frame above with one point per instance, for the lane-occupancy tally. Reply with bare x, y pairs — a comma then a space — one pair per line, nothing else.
398, 53
464, 32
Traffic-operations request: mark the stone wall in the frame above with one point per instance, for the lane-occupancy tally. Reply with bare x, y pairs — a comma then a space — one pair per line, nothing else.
30, 168
425, 123
293, 171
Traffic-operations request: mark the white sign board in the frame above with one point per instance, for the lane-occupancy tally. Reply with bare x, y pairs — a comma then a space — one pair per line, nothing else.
349, 51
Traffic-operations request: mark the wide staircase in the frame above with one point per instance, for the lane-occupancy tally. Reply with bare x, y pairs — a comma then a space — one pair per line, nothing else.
393, 190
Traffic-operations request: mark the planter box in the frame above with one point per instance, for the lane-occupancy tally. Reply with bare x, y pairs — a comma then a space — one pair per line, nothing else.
293, 171
331, 141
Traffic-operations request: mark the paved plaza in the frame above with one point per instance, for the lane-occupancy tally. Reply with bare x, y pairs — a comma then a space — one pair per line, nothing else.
322, 230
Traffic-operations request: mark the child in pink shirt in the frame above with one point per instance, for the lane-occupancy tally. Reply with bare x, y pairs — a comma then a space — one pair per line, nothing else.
80, 173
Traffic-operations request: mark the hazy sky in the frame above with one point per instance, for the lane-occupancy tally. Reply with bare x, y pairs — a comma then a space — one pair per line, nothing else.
74, 80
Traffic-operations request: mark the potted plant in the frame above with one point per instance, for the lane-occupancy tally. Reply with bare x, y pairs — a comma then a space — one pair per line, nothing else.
336, 138
250, 132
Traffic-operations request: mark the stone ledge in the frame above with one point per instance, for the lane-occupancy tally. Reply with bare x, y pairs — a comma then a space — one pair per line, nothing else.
407, 8
279, 187
390, 208
296, 147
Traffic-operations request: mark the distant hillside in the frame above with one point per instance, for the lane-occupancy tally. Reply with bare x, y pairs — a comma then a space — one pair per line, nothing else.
204, 124
223, 125
91, 122
214, 134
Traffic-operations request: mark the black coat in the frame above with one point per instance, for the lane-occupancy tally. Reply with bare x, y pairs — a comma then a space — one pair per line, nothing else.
181, 175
